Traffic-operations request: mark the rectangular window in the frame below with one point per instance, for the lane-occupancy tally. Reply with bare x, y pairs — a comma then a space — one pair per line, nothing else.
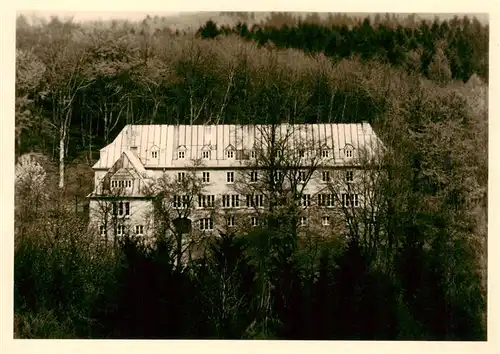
302, 176
255, 200
225, 201
206, 177
326, 176
253, 176
181, 155
206, 201
230, 154
349, 176
185, 201
102, 230
325, 153
278, 177
120, 208
139, 229
235, 200
255, 221
181, 176
325, 220
348, 153
306, 200
177, 201
302, 153
230, 221
154, 154
253, 154
206, 224
350, 200
303, 221
127, 208
230, 177
120, 230
205, 154
325, 200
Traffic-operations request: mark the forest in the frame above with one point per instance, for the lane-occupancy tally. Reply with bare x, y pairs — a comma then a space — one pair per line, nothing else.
422, 85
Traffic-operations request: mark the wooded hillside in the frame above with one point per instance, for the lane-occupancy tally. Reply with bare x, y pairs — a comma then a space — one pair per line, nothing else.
423, 87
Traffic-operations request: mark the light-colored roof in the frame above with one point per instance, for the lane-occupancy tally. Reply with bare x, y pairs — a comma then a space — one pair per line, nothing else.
166, 139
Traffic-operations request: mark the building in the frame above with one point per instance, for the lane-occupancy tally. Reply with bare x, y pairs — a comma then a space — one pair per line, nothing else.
224, 174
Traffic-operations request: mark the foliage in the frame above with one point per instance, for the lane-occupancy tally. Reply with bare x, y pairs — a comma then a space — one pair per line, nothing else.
421, 273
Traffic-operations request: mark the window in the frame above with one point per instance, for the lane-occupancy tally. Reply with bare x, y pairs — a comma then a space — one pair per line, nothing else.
278, 177
255, 200
121, 208
206, 201
177, 201
348, 152
230, 221
325, 221
206, 224
181, 201
235, 201
181, 176
349, 200
205, 154
206, 177
253, 176
253, 154
139, 229
302, 176
325, 153
255, 221
306, 200
303, 221
154, 154
302, 153
349, 176
326, 176
120, 230
325, 200
181, 155
230, 201
230, 177
102, 230
185, 201
230, 154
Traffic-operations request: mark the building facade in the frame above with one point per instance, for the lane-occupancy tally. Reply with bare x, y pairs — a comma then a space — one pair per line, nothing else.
223, 176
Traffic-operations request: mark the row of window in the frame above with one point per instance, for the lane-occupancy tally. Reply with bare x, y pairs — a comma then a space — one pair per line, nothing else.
121, 230
206, 224
230, 154
121, 183
233, 200
254, 176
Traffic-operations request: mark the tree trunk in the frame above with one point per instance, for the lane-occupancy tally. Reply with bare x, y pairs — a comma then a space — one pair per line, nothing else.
62, 136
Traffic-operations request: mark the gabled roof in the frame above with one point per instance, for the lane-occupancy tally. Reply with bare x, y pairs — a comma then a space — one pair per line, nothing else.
196, 138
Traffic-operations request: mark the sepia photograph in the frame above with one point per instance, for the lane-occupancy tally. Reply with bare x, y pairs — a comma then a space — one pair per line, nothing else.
291, 176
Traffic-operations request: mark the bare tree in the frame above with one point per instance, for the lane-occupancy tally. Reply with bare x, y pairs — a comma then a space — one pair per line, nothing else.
175, 199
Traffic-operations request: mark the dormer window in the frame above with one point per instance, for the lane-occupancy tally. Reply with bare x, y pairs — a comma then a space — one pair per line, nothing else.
253, 154
348, 151
325, 153
302, 153
230, 152
205, 152
181, 152
155, 152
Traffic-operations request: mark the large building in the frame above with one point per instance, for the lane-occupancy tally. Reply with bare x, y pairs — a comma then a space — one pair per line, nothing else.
220, 176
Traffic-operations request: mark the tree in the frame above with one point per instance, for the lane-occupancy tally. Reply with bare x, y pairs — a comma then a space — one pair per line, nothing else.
63, 57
